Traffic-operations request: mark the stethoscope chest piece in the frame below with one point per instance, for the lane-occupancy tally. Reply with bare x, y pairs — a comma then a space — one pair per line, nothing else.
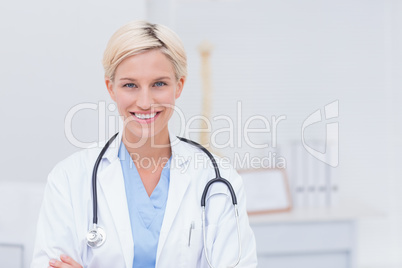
96, 237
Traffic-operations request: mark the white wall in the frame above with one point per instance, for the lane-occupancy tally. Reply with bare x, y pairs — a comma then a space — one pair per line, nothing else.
294, 57
50, 55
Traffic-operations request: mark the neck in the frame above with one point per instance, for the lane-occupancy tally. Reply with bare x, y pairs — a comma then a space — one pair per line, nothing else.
153, 148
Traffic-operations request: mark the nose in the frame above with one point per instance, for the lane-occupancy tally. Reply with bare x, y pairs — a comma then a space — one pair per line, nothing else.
144, 100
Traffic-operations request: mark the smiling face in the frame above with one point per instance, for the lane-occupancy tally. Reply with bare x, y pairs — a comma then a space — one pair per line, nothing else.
145, 90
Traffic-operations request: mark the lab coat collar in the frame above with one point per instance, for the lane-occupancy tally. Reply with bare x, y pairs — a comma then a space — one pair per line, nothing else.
112, 152
179, 182
178, 152
112, 183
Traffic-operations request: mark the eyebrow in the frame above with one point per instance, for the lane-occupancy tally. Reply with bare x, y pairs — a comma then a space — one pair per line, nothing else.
132, 79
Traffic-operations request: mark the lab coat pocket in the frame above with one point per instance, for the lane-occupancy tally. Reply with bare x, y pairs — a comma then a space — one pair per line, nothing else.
194, 249
193, 245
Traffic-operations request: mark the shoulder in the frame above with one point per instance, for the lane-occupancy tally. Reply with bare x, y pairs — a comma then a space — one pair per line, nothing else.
75, 164
79, 158
200, 162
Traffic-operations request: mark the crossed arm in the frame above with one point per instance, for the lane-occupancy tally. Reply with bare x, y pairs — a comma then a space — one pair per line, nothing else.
65, 262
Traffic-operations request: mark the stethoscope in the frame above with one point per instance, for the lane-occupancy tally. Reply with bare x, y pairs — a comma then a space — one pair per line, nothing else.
96, 236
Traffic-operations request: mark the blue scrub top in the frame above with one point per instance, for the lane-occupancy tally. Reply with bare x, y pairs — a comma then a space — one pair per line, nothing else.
146, 212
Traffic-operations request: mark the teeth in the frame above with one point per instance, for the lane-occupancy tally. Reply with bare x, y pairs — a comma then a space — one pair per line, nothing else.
145, 116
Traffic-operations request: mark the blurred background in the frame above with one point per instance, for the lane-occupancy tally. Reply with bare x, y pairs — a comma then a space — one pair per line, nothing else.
273, 58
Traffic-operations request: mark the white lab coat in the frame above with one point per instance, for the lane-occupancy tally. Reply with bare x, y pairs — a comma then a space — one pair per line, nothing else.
66, 213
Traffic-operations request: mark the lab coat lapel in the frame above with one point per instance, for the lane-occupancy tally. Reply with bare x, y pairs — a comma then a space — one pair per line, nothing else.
111, 182
179, 182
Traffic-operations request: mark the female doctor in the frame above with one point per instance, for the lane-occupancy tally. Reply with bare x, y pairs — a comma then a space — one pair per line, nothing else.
149, 183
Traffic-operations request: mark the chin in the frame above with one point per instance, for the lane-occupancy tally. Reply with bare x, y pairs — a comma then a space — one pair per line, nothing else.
142, 133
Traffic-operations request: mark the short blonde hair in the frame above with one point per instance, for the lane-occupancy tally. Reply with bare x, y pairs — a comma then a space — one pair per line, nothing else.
139, 36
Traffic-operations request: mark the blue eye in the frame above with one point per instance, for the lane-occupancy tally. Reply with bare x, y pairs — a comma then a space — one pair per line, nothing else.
130, 85
159, 84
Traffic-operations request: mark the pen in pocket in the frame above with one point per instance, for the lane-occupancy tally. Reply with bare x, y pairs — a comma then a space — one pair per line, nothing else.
192, 226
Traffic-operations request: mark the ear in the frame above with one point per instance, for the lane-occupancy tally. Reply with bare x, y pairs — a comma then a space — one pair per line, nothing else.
180, 86
109, 86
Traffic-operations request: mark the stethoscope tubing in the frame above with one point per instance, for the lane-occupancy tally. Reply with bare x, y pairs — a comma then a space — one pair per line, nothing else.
94, 177
96, 236
217, 178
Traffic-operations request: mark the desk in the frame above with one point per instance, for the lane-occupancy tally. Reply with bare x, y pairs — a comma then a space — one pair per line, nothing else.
19, 209
12, 255
309, 238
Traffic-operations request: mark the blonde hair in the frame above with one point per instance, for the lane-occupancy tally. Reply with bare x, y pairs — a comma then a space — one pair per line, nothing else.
139, 36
